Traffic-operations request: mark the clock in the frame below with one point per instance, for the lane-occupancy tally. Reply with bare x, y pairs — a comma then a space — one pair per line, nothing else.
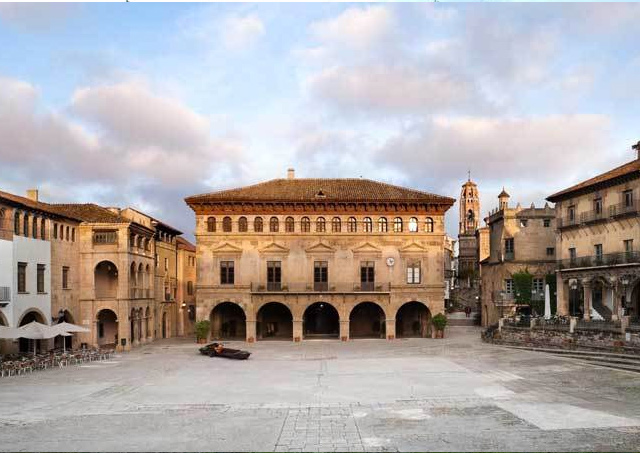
390, 261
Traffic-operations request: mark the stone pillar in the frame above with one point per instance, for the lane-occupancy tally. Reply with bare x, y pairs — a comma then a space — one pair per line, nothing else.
251, 331
562, 296
390, 329
615, 298
586, 287
344, 330
123, 332
297, 330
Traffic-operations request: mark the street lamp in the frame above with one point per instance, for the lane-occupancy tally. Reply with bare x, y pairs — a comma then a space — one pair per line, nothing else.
573, 286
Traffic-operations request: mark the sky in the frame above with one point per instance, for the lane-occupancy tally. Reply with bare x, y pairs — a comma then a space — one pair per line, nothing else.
130, 104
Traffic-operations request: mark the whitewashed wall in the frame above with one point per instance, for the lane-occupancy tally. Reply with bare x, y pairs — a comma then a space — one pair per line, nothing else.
32, 252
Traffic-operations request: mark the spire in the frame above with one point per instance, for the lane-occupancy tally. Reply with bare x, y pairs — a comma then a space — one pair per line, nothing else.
469, 172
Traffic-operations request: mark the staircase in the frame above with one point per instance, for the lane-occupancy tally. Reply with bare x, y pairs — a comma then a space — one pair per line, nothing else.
600, 312
459, 319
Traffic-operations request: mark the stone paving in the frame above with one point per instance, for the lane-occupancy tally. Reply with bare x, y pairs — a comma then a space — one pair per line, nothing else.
456, 394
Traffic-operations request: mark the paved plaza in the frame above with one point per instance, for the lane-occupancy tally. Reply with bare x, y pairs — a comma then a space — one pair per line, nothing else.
364, 395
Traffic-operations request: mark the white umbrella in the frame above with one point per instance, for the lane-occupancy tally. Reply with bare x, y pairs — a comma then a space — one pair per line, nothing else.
68, 327
9, 332
547, 303
36, 331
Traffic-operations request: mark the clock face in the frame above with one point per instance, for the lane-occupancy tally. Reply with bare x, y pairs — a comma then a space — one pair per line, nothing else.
390, 261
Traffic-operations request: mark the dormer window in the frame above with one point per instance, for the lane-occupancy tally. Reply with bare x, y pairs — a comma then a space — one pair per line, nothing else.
320, 194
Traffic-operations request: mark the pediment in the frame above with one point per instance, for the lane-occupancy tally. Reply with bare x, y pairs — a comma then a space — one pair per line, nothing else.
366, 248
227, 248
320, 247
414, 247
274, 248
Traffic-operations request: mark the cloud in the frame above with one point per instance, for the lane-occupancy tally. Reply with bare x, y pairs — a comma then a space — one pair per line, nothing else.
240, 33
36, 17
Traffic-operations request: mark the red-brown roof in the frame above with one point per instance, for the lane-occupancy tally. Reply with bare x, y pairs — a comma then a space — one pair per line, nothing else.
31, 204
629, 169
313, 190
184, 244
89, 212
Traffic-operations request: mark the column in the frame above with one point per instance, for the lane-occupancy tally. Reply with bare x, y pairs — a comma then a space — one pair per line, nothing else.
390, 326
123, 332
615, 298
586, 287
297, 330
562, 296
344, 330
251, 331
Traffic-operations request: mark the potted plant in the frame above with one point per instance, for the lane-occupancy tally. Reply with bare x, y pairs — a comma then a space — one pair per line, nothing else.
202, 330
439, 322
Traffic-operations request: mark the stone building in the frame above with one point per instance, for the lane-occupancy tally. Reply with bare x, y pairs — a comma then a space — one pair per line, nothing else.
467, 243
319, 258
598, 225
186, 292
520, 239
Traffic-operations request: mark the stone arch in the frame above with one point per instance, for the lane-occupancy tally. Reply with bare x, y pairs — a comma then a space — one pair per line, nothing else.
228, 321
107, 327
3, 320
147, 320
142, 281
105, 277
634, 301
133, 279
367, 320
164, 327
274, 320
413, 320
321, 320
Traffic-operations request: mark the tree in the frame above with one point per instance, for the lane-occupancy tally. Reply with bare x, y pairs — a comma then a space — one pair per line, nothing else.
522, 286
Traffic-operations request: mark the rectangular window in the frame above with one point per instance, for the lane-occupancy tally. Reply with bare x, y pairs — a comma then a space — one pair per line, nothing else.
413, 272
628, 198
40, 278
65, 277
572, 254
101, 237
538, 286
546, 223
508, 248
227, 273
571, 213
597, 206
508, 286
367, 275
320, 276
551, 251
166, 264
628, 245
274, 275
22, 277
597, 251
189, 288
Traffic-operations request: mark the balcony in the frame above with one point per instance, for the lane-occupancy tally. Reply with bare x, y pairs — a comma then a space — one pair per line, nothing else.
594, 216
623, 209
568, 222
302, 287
590, 217
609, 259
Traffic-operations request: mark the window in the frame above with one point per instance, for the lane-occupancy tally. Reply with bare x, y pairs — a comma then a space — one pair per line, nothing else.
274, 275
551, 251
508, 245
538, 286
73, 235
211, 224
102, 237
305, 225
273, 224
257, 225
22, 277
428, 225
352, 225
320, 276
40, 278
628, 198
413, 225
523, 223
189, 288
413, 272
571, 212
43, 229
320, 225
508, 286
597, 249
367, 224
367, 275
25, 226
227, 273
572, 254
226, 224
597, 206
67, 233
139, 242
628, 245
65, 277
383, 227
34, 228
242, 225
336, 225
55, 231
16, 224
289, 225
546, 223
397, 225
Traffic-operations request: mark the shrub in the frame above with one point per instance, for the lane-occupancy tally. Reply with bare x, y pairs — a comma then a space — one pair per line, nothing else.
202, 329
440, 321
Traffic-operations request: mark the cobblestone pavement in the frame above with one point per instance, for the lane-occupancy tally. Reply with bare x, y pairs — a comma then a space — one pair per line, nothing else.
364, 395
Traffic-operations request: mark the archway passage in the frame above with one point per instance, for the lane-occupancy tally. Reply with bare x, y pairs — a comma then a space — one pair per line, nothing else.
228, 322
26, 344
106, 280
413, 320
321, 320
64, 316
635, 303
367, 320
274, 322
164, 325
107, 328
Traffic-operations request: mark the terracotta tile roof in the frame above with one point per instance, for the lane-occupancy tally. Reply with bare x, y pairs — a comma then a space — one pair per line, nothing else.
623, 170
184, 244
306, 189
30, 204
89, 212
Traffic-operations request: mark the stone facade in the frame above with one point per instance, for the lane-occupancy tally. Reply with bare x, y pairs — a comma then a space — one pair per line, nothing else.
186, 294
319, 258
467, 243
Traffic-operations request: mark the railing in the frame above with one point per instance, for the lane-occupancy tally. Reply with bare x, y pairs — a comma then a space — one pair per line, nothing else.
617, 210
606, 326
565, 222
503, 256
592, 216
5, 294
624, 209
303, 287
608, 259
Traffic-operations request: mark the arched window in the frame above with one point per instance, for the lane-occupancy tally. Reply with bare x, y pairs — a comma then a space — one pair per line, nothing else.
67, 235
139, 243
397, 225
25, 225
273, 224
368, 225
352, 225
226, 224
383, 226
242, 224
289, 225
55, 231
428, 225
43, 229
413, 225
16, 224
320, 225
305, 225
73, 235
211, 224
336, 225
34, 228
257, 225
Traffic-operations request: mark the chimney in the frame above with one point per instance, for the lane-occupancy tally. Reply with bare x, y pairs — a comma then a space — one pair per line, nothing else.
32, 194
291, 173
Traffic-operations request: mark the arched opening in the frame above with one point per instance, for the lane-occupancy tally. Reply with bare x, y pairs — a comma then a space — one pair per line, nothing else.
107, 328
274, 322
26, 344
147, 320
413, 320
634, 303
133, 280
576, 298
141, 281
602, 299
164, 325
60, 341
367, 320
106, 280
228, 322
133, 321
139, 319
3, 320
321, 320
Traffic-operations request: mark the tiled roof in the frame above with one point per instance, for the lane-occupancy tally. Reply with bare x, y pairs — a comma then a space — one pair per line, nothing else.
623, 170
30, 204
89, 212
184, 244
301, 190
504, 194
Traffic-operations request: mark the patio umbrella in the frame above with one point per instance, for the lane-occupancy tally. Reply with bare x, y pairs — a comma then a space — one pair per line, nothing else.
547, 303
68, 327
9, 332
36, 331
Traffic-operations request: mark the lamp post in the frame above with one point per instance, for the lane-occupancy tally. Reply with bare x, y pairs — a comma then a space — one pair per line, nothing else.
573, 286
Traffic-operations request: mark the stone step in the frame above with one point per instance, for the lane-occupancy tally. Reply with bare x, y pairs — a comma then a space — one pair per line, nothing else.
460, 322
576, 352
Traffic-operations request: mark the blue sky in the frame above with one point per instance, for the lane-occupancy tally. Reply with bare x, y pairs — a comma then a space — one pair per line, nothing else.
143, 104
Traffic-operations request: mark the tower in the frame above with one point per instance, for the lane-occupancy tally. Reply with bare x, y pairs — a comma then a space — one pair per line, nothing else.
467, 241
503, 199
469, 208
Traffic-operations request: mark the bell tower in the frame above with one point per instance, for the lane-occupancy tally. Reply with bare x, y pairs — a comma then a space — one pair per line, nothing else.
469, 207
